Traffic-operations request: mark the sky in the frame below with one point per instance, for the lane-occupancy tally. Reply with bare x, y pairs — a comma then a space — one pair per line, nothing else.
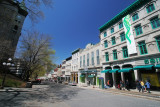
74, 23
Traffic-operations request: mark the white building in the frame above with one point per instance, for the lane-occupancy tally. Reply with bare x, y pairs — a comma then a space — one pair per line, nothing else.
90, 64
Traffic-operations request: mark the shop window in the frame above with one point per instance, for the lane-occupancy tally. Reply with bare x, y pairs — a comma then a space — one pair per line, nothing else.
105, 34
120, 25
150, 8
125, 52
123, 38
107, 56
105, 44
142, 48
155, 23
158, 42
115, 57
112, 30
138, 30
113, 40
135, 17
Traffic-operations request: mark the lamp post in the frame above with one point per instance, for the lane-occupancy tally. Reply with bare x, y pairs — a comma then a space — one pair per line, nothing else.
8, 63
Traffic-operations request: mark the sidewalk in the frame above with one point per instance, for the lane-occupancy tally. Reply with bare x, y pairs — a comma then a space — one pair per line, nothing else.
154, 95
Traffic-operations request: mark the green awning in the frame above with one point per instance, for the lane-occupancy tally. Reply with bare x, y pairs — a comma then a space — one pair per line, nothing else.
81, 75
91, 76
147, 67
113, 71
105, 71
157, 66
125, 70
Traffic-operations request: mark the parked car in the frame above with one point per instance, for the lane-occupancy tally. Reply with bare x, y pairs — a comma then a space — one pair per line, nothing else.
72, 84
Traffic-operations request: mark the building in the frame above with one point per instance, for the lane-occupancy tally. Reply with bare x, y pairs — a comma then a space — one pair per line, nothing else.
68, 69
74, 65
90, 64
12, 16
131, 44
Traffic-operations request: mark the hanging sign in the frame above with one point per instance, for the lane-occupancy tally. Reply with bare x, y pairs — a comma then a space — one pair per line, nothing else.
129, 35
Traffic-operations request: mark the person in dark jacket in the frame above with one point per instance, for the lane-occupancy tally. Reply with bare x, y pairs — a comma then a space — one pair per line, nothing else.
138, 85
127, 85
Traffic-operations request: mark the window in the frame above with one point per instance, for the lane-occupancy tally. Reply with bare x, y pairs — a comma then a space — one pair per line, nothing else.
83, 60
115, 57
105, 34
92, 58
122, 35
112, 30
120, 25
135, 17
125, 52
142, 48
155, 23
88, 59
107, 56
105, 44
138, 30
113, 41
158, 42
150, 8
97, 53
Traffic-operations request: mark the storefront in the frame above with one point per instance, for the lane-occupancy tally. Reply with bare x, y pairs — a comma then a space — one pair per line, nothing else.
74, 77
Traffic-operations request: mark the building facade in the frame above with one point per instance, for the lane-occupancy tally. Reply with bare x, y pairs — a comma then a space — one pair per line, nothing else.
74, 65
90, 64
131, 45
68, 69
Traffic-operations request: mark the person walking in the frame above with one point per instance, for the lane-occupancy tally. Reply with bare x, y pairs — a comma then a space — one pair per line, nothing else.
148, 85
138, 85
127, 85
142, 86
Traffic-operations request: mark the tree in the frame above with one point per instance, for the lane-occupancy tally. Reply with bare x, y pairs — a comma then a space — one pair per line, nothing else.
34, 8
36, 53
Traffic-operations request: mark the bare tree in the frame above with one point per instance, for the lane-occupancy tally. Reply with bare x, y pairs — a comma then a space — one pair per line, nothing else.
35, 53
34, 8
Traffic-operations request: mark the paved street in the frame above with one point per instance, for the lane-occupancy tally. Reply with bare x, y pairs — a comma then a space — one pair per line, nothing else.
58, 95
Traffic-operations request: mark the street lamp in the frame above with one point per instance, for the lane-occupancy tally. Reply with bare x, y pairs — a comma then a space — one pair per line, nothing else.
8, 63
93, 79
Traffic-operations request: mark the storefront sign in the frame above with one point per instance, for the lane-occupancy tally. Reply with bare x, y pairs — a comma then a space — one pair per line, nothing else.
152, 61
129, 35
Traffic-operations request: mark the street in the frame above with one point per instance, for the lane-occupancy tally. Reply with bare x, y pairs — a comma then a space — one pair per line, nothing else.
58, 95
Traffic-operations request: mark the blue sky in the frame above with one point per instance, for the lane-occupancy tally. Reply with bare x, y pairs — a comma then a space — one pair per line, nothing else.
74, 23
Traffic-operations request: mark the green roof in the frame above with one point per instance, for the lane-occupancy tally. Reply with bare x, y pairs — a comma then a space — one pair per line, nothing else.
90, 76
147, 67
113, 71
125, 70
137, 4
105, 71
75, 51
157, 66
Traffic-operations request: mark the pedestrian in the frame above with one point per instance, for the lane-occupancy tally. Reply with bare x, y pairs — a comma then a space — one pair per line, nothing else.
127, 85
138, 85
108, 83
122, 85
148, 85
142, 86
